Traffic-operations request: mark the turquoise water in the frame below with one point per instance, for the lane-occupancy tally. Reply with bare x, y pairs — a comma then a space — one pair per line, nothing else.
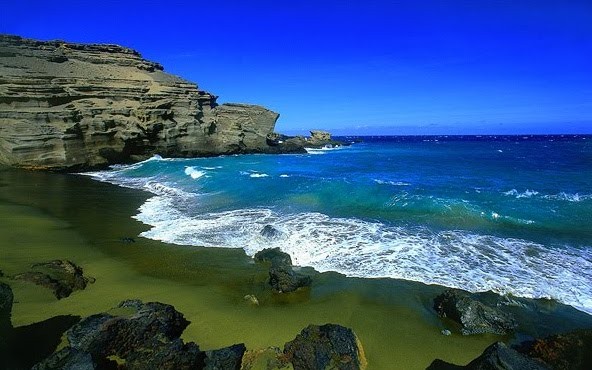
510, 214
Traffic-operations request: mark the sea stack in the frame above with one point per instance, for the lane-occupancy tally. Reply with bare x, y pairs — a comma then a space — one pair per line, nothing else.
69, 106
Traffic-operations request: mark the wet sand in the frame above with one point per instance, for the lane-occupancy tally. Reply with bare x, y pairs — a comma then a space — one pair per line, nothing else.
46, 216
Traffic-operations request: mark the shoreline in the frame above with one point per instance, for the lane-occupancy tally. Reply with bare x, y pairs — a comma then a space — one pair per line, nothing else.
84, 220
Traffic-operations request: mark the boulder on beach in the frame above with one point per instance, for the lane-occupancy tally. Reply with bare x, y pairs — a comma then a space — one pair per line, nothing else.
498, 356
282, 277
474, 316
62, 277
140, 335
327, 346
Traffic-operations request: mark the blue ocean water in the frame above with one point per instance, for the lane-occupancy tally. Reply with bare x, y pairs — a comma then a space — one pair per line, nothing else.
511, 214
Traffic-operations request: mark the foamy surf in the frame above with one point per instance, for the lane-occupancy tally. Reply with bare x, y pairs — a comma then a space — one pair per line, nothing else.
365, 249
193, 173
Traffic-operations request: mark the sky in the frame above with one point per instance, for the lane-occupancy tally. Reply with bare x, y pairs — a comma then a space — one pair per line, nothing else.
357, 67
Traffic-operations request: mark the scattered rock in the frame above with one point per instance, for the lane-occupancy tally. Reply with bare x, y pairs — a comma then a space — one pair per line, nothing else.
62, 277
271, 232
568, 351
446, 332
229, 358
128, 240
495, 357
67, 359
328, 346
251, 299
6, 300
282, 277
474, 316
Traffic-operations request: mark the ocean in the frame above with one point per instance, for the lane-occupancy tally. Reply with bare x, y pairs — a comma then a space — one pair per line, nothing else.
512, 214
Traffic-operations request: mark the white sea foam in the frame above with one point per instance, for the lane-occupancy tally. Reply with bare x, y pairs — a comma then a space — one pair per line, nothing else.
195, 174
569, 197
369, 249
394, 183
257, 175
526, 194
316, 151
284, 175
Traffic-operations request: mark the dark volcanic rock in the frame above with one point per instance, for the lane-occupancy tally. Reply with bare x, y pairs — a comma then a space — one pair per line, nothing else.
62, 277
568, 351
474, 316
271, 232
325, 347
67, 359
68, 106
282, 277
275, 256
495, 357
167, 356
148, 325
6, 299
144, 336
226, 358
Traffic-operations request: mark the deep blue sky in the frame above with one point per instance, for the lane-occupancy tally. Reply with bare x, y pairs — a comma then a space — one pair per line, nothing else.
395, 67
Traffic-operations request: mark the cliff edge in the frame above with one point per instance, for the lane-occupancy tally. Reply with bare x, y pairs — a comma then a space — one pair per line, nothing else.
68, 106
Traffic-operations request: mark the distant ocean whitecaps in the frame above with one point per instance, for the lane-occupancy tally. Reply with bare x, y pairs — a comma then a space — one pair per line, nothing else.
562, 196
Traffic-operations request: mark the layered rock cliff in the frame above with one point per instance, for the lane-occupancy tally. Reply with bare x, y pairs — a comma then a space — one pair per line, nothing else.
67, 106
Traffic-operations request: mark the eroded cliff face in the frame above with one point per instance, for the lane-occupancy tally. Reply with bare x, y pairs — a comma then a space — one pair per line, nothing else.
66, 106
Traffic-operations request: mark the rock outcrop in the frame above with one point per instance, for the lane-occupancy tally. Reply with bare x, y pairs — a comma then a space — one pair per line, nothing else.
317, 139
282, 277
327, 346
495, 357
68, 106
137, 336
474, 316
62, 277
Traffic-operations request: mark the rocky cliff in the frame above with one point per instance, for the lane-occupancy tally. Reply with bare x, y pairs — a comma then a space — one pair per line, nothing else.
66, 106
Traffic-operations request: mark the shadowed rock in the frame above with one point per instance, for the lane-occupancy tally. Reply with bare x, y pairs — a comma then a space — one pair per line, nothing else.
67, 359
229, 358
143, 336
62, 277
6, 300
328, 346
282, 277
568, 351
495, 357
474, 316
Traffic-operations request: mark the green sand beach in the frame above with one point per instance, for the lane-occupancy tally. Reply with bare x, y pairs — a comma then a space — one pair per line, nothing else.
48, 216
